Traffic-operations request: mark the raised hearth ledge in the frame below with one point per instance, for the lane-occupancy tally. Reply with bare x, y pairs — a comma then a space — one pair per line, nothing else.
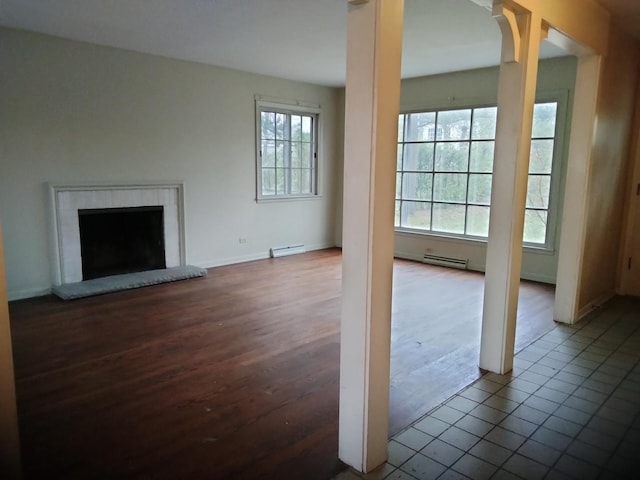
126, 281
67, 199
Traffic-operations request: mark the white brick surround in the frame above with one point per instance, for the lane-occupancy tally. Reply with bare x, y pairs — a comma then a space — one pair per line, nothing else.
66, 200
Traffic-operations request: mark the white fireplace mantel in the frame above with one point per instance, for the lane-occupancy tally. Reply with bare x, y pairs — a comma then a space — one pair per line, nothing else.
66, 200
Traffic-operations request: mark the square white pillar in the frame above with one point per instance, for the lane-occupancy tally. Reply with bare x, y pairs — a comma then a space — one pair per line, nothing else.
521, 35
374, 44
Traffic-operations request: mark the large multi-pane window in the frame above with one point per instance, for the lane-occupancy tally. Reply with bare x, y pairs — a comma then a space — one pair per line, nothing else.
287, 158
445, 160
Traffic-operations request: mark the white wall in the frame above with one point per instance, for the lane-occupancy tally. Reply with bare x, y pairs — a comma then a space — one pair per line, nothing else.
479, 87
72, 112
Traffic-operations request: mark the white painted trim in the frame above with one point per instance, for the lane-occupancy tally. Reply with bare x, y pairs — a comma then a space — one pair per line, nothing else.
476, 267
27, 293
516, 99
254, 256
288, 106
573, 223
374, 51
594, 305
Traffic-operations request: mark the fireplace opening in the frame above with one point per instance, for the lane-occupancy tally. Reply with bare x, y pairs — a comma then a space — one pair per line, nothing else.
121, 240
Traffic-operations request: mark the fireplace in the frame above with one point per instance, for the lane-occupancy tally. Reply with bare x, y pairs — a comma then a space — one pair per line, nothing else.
121, 240
114, 212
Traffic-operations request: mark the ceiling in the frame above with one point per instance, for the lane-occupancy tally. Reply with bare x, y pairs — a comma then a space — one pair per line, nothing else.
302, 40
626, 14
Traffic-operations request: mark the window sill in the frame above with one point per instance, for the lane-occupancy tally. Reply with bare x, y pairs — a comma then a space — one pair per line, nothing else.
289, 198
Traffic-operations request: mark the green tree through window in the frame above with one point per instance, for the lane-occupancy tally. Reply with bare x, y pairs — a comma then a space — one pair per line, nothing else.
287, 158
444, 166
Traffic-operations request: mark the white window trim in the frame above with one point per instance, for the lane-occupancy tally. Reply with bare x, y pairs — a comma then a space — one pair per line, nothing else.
558, 169
288, 106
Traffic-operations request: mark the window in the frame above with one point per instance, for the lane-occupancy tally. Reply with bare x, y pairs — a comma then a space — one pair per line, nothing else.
444, 166
287, 164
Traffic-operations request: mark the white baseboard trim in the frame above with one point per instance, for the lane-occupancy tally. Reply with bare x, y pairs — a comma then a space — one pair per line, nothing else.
219, 262
23, 294
13, 295
254, 256
594, 305
534, 277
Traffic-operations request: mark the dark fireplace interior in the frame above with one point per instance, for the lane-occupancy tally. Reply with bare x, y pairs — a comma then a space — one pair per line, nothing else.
121, 240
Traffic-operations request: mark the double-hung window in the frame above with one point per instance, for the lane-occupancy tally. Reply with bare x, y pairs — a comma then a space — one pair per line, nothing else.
444, 166
287, 158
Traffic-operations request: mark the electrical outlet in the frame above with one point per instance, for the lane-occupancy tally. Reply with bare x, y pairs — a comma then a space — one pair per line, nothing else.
242, 240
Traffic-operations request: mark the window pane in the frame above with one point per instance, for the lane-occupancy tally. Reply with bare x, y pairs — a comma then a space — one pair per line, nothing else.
268, 153
535, 226
396, 221
452, 157
417, 186
268, 181
484, 123
420, 127
399, 159
400, 127
296, 153
418, 157
480, 189
541, 156
544, 120
398, 185
295, 180
454, 125
268, 125
478, 221
287, 153
538, 191
306, 185
450, 187
481, 157
280, 147
280, 182
281, 121
448, 218
305, 155
416, 215
306, 129
296, 127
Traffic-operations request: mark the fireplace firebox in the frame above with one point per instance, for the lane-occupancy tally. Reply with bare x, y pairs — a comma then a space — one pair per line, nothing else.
121, 240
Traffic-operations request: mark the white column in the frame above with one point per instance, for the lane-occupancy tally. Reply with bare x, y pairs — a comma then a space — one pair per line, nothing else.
374, 44
573, 229
521, 35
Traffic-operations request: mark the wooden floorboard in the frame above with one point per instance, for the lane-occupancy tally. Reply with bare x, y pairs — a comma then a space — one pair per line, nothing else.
234, 375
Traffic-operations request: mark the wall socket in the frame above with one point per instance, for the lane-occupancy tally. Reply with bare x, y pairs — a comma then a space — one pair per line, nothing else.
242, 240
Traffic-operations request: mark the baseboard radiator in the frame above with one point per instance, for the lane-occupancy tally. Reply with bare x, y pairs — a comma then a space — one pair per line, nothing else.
461, 263
290, 250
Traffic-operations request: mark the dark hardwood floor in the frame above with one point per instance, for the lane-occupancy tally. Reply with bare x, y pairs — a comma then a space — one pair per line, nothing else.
234, 375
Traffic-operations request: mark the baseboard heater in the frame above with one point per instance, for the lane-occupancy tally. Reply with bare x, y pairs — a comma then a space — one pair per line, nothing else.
461, 263
290, 250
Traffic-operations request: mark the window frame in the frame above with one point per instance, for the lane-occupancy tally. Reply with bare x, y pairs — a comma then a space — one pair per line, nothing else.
288, 108
558, 168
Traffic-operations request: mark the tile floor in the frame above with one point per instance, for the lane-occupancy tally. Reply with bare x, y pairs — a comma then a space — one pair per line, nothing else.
569, 409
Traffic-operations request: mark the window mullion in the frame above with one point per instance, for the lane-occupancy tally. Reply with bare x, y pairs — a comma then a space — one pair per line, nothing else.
466, 198
433, 171
287, 154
